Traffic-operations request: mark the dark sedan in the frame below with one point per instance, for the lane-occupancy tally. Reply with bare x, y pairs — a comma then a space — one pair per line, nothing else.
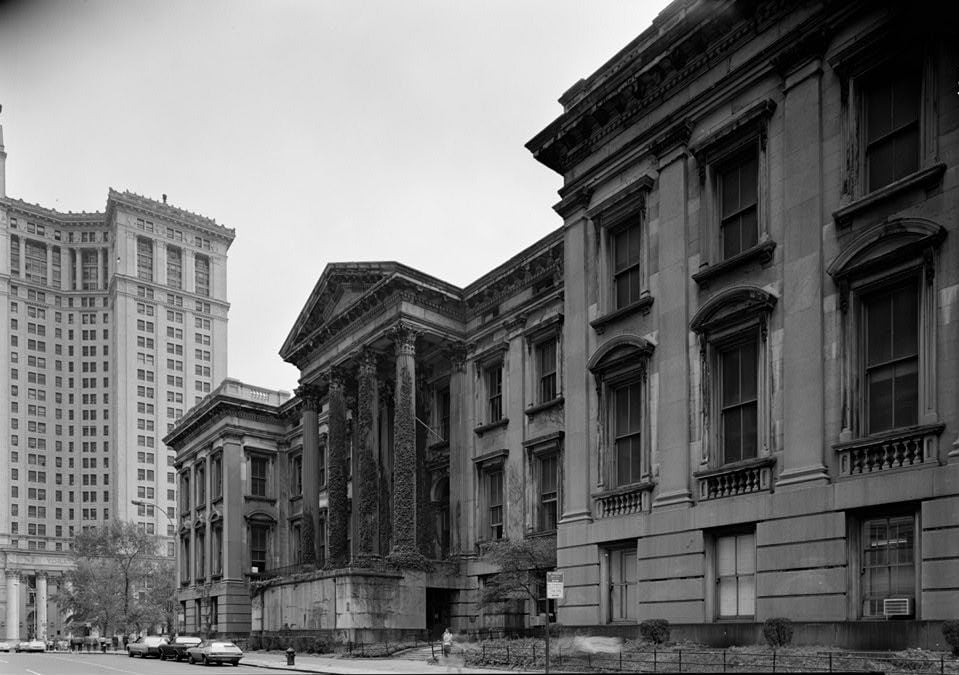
148, 645
215, 651
176, 650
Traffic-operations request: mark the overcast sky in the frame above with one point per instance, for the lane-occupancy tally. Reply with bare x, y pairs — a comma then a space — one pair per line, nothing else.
321, 131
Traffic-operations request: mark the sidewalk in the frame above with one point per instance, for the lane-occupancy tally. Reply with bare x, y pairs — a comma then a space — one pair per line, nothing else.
312, 663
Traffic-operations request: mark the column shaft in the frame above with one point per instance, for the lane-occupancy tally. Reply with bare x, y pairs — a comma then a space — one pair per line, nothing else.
311, 467
49, 265
41, 604
13, 605
338, 514
404, 444
99, 269
365, 479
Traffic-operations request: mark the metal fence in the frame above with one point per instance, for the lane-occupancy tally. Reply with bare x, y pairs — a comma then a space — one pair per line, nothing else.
709, 660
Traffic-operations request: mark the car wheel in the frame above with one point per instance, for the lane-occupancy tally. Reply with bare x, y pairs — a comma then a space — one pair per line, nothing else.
190, 658
236, 663
204, 661
129, 653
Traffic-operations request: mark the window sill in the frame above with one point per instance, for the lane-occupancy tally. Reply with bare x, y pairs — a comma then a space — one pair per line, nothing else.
762, 253
483, 428
258, 498
737, 478
623, 501
540, 407
925, 178
896, 449
642, 305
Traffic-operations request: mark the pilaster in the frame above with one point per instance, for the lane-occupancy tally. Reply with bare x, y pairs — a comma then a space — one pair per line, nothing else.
13, 604
338, 513
365, 481
309, 396
41, 605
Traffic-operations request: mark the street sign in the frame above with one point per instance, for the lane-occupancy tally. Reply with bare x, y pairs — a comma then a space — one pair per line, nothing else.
554, 585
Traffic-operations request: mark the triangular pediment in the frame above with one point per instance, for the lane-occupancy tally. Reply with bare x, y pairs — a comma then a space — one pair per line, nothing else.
339, 286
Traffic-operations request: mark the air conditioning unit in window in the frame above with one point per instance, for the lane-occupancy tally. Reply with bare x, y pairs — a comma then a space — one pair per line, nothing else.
897, 607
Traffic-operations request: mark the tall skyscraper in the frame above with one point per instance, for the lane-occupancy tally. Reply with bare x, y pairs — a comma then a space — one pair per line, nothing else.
113, 324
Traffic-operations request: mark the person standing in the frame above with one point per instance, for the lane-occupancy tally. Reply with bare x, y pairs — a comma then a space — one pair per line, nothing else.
447, 642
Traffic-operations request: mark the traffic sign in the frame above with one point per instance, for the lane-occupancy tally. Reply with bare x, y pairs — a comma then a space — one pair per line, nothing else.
554, 585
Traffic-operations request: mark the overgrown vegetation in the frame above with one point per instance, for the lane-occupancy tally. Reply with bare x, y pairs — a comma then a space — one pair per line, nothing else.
950, 632
778, 631
655, 631
522, 565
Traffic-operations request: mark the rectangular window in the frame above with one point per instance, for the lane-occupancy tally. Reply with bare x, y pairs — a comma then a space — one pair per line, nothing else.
36, 262
200, 555
891, 326
442, 414
738, 207
888, 562
258, 540
174, 267
200, 485
623, 587
627, 433
548, 488
546, 369
891, 104
216, 477
296, 476
626, 251
738, 403
144, 259
258, 469
88, 271
296, 551
494, 503
216, 552
736, 574
494, 393
202, 275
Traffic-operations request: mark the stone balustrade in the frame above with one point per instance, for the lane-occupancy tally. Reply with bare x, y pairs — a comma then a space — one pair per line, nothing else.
749, 476
896, 450
623, 501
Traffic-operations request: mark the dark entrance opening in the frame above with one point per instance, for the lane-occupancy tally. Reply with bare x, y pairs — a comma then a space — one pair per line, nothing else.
437, 611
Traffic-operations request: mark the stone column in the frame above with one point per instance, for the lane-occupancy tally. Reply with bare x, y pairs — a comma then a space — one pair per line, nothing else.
672, 353
78, 269
364, 478
336, 474
49, 265
404, 450
41, 604
23, 256
311, 467
234, 552
803, 216
460, 465
13, 605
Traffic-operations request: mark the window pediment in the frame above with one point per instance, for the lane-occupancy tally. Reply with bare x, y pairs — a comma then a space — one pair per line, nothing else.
878, 246
731, 307
726, 138
260, 518
613, 210
623, 351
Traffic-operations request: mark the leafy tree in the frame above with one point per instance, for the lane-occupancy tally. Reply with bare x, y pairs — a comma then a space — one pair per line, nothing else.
110, 564
522, 565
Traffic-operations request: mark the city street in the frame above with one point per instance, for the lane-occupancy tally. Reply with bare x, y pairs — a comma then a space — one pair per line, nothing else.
66, 663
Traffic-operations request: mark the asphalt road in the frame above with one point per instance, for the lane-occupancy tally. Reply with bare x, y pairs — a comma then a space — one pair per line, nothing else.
66, 663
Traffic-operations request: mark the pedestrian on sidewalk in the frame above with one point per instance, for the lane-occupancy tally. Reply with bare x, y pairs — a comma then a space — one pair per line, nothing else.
447, 643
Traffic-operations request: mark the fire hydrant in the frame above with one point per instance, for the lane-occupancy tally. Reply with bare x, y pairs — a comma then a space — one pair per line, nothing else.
290, 655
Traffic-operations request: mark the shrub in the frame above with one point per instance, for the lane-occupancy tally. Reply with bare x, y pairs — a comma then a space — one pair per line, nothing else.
778, 631
320, 646
254, 642
950, 631
655, 630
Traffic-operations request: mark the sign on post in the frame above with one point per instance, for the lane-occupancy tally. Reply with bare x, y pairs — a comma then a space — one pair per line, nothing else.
554, 585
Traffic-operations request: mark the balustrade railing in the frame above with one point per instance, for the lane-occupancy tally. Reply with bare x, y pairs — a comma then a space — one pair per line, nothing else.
890, 451
740, 479
623, 501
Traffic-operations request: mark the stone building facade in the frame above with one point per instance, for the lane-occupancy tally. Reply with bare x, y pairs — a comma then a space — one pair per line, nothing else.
113, 324
760, 205
726, 385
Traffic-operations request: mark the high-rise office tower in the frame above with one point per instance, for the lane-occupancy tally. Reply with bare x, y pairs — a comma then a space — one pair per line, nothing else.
112, 324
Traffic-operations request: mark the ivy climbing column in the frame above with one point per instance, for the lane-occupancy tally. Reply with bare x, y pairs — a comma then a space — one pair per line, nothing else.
338, 511
311, 459
365, 482
404, 447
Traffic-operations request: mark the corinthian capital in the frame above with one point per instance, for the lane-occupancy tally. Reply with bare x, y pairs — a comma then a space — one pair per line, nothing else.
309, 394
368, 360
404, 338
334, 376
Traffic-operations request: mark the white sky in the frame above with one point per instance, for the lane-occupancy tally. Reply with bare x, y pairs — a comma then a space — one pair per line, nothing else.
322, 131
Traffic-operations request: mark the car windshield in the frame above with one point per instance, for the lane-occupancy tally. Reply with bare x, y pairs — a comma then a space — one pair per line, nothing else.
228, 646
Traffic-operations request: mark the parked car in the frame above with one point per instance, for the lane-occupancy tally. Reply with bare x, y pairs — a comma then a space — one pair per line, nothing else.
148, 645
31, 646
176, 650
7, 645
215, 651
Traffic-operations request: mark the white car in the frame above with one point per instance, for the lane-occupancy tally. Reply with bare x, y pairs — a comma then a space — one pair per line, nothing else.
31, 646
7, 645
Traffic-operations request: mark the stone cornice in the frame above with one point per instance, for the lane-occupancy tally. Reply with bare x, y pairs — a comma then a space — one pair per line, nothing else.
199, 420
18, 206
151, 207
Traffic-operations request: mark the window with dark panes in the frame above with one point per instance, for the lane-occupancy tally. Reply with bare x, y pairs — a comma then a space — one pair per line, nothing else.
144, 259
494, 393
443, 413
892, 357
216, 553
202, 275
739, 214
891, 104
216, 477
258, 540
200, 485
321, 465
888, 561
494, 503
174, 267
546, 365
258, 468
296, 476
739, 403
626, 259
548, 492
200, 554
627, 428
